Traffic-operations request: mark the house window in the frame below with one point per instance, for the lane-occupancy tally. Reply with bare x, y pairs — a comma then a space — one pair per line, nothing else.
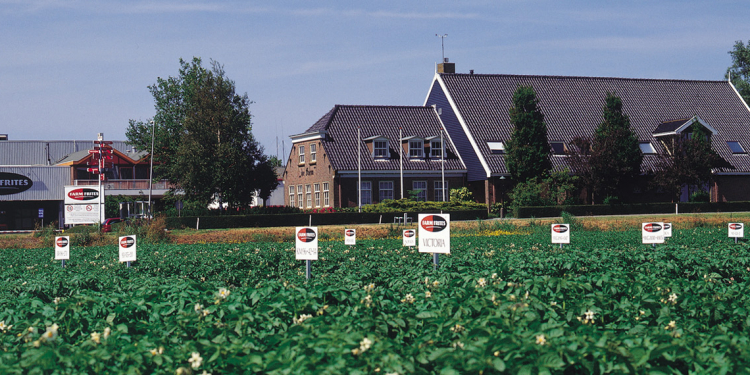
420, 190
736, 147
299, 196
313, 152
496, 147
302, 154
439, 191
308, 196
326, 200
416, 148
647, 148
558, 148
317, 195
366, 192
380, 148
385, 190
292, 196
436, 149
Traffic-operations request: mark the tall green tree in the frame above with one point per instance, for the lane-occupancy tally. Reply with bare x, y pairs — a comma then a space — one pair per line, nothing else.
689, 162
615, 158
203, 139
739, 72
528, 149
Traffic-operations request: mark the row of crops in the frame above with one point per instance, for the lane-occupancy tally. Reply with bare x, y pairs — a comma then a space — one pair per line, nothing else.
497, 304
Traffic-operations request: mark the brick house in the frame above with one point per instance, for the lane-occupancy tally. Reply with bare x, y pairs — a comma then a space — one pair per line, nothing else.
474, 109
323, 168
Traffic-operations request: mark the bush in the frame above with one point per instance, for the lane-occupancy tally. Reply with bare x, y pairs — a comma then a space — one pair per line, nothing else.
700, 196
408, 205
611, 200
146, 231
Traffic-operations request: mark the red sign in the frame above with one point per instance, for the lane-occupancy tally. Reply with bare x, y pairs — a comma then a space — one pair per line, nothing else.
350, 232
560, 228
409, 233
434, 223
735, 226
62, 242
127, 242
652, 227
83, 194
306, 235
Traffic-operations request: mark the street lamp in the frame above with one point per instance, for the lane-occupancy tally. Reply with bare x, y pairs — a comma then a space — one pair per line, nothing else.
151, 171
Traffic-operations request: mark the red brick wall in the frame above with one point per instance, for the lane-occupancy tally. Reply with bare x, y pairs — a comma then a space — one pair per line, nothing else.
309, 173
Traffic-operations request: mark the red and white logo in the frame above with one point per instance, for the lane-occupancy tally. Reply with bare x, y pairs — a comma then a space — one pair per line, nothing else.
433, 223
350, 232
306, 235
83, 194
652, 227
409, 233
560, 228
127, 242
61, 242
735, 226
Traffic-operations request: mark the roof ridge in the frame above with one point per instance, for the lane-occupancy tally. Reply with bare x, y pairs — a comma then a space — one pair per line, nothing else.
381, 106
583, 77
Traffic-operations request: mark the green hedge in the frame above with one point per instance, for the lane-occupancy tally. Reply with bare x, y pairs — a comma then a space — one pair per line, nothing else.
293, 220
631, 209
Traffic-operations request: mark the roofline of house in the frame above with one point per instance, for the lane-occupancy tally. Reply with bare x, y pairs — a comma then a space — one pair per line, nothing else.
308, 136
738, 94
438, 78
394, 173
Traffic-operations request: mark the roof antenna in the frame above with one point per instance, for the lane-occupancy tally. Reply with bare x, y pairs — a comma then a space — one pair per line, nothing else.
442, 44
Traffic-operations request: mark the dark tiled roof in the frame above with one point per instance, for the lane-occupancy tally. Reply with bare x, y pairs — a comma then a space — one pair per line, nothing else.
669, 126
340, 143
572, 106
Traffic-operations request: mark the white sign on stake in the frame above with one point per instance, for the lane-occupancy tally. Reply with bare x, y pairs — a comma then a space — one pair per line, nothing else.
435, 233
350, 237
127, 249
736, 230
560, 233
62, 248
306, 240
652, 233
667, 230
409, 237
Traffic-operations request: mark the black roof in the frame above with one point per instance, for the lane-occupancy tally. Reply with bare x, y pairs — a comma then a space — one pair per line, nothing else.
340, 142
572, 107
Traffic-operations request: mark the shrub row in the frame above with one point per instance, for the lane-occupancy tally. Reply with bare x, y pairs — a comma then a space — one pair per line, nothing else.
338, 218
631, 209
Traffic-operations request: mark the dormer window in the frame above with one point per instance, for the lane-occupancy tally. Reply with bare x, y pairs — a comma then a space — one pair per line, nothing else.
416, 148
496, 147
647, 148
436, 148
558, 148
380, 148
736, 147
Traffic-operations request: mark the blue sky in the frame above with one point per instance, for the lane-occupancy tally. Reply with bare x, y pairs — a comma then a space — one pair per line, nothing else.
71, 69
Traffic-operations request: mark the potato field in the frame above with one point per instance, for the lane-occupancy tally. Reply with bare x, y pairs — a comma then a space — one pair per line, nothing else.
501, 302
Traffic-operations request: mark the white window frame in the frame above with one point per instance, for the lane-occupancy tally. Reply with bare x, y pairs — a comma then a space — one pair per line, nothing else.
422, 196
308, 195
300, 197
292, 196
384, 186
439, 191
316, 188
416, 148
313, 152
646, 148
380, 152
366, 192
302, 154
326, 195
496, 147
440, 150
738, 145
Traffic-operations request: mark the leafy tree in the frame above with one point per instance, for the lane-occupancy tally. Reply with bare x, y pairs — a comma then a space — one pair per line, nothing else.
203, 139
528, 149
739, 72
689, 163
616, 157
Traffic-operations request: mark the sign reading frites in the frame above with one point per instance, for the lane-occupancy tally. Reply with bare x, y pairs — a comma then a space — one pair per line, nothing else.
350, 237
306, 239
667, 230
434, 233
409, 237
652, 233
736, 230
560, 233
62, 248
127, 249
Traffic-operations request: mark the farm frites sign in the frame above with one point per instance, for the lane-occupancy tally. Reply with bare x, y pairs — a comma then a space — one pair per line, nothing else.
62, 248
560, 233
434, 233
127, 248
667, 230
652, 233
350, 237
306, 240
80, 195
409, 237
736, 230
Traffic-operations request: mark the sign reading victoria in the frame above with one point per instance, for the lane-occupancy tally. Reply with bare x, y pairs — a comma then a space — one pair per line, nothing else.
13, 183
